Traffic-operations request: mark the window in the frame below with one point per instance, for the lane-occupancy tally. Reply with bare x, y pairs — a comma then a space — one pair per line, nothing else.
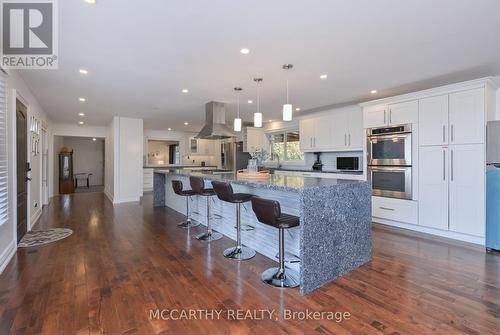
285, 146
3, 156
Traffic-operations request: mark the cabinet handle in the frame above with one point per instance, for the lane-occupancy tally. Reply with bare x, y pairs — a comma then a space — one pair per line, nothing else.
314, 141
384, 116
349, 136
311, 142
444, 133
452, 134
451, 165
390, 115
345, 139
387, 209
444, 164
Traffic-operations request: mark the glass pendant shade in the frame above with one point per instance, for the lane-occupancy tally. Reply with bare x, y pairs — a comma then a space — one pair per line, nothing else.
257, 120
287, 112
237, 124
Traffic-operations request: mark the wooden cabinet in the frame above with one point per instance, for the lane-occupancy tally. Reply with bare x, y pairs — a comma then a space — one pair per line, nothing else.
433, 187
433, 120
340, 130
388, 115
467, 189
467, 117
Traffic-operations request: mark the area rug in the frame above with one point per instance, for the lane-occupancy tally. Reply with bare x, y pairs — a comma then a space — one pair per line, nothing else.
36, 238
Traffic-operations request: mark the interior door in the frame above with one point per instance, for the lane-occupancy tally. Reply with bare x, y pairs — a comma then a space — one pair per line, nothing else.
433, 187
22, 176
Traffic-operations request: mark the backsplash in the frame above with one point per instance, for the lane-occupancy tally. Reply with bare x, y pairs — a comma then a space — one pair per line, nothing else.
329, 159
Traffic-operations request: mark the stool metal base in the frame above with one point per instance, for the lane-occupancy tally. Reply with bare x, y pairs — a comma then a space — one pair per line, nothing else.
213, 236
275, 278
289, 257
188, 224
245, 227
239, 253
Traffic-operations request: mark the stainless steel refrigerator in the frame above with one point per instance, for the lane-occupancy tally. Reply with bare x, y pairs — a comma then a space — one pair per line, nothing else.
493, 185
232, 156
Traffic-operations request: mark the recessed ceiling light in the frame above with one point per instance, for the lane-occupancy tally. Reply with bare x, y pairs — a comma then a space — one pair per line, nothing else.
250, 101
81, 122
323, 76
270, 121
81, 114
82, 99
186, 123
83, 71
373, 91
94, 139
92, 2
245, 51
169, 129
185, 90
297, 109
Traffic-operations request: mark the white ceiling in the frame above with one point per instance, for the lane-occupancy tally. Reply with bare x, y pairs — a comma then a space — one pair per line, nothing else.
140, 54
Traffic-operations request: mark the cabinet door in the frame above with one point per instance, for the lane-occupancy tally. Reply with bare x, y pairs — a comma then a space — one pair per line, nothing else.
331, 131
306, 130
467, 189
405, 112
355, 129
467, 117
433, 187
433, 120
375, 116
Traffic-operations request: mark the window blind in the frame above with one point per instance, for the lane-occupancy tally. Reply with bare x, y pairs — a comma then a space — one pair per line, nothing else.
4, 200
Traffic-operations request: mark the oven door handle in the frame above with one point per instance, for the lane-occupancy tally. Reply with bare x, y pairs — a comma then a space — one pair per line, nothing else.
389, 137
391, 169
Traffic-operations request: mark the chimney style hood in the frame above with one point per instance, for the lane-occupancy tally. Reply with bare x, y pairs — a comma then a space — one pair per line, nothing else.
215, 127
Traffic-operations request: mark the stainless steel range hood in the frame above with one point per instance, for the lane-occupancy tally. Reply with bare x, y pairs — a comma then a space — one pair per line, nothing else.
215, 127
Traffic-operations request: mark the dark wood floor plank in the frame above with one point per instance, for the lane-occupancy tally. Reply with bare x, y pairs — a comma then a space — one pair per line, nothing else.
121, 262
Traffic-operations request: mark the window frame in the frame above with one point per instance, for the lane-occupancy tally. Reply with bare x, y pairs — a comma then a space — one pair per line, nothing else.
286, 161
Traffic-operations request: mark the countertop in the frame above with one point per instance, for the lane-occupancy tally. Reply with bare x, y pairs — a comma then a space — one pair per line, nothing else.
274, 182
317, 171
177, 166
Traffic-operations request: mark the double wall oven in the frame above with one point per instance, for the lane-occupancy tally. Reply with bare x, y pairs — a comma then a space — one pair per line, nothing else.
390, 161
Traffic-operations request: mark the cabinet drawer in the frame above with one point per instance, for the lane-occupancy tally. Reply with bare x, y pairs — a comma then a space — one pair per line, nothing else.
395, 209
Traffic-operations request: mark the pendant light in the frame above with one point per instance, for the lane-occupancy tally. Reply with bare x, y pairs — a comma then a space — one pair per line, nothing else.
237, 121
257, 116
287, 108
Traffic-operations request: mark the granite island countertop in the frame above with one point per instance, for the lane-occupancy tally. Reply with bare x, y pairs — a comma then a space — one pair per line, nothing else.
274, 182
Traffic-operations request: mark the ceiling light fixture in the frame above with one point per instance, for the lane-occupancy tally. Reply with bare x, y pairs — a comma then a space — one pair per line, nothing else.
83, 71
297, 109
186, 123
185, 90
250, 101
237, 120
81, 123
94, 139
323, 76
82, 99
169, 129
245, 51
257, 116
92, 2
287, 108
373, 91
81, 114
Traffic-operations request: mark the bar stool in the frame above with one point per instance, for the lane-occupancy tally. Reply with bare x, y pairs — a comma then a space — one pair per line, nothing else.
198, 186
269, 212
225, 193
178, 189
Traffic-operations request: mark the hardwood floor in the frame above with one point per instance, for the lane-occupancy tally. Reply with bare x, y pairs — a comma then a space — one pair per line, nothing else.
122, 262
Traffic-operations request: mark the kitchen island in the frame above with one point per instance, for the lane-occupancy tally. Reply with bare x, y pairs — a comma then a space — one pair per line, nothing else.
334, 236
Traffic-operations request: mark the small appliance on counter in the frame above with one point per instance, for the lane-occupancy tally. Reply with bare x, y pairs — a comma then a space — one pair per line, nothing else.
318, 165
493, 186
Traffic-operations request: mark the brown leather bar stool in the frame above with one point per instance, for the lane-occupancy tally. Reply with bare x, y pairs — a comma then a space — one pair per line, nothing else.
178, 189
269, 212
225, 193
198, 186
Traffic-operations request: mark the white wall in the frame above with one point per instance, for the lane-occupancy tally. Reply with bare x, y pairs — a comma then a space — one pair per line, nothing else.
498, 105
164, 135
127, 146
65, 129
16, 88
109, 161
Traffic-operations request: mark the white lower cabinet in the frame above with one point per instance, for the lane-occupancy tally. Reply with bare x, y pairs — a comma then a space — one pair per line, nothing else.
147, 179
452, 188
433, 187
467, 189
395, 209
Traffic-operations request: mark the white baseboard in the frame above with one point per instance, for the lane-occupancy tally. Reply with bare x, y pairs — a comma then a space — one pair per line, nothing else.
34, 218
7, 255
108, 195
433, 231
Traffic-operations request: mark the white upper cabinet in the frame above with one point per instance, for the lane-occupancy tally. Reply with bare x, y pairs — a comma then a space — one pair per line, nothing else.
433, 187
355, 129
338, 135
388, 115
467, 189
467, 117
306, 134
375, 116
433, 120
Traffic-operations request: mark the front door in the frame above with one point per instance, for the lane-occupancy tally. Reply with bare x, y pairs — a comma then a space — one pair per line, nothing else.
22, 177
